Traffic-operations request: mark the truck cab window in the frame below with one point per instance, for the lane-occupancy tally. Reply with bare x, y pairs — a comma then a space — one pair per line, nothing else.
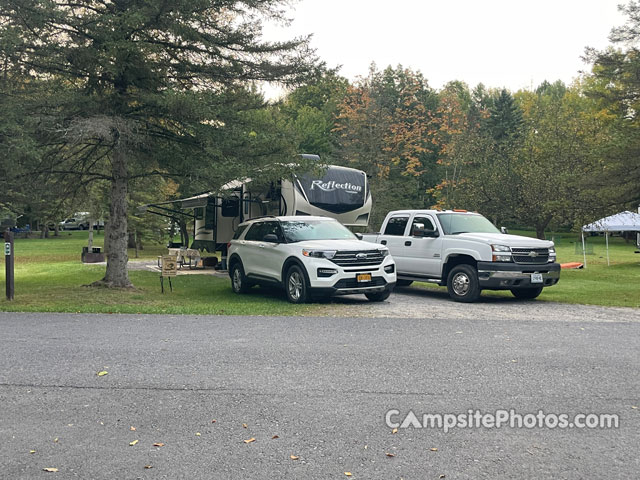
396, 226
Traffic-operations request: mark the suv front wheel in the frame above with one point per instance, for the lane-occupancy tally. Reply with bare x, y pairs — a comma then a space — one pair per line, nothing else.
296, 285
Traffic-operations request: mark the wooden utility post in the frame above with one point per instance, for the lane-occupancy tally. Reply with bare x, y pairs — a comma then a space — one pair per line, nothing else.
8, 262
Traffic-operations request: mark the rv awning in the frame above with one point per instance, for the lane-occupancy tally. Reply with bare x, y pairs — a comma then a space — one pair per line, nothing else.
620, 222
190, 202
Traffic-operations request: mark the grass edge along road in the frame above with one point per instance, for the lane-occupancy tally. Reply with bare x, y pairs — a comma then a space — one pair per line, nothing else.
51, 278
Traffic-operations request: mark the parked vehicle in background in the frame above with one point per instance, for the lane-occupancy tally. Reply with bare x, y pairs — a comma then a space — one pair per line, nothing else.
308, 256
466, 253
79, 221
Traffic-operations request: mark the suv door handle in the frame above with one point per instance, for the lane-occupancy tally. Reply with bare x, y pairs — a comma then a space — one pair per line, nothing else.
383, 242
407, 243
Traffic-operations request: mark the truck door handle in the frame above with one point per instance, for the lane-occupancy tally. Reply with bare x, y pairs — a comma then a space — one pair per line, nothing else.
383, 242
407, 243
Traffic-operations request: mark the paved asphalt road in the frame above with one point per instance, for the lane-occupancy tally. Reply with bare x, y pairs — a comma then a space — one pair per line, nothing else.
322, 385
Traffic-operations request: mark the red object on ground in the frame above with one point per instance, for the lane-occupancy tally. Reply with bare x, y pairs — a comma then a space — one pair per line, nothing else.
571, 265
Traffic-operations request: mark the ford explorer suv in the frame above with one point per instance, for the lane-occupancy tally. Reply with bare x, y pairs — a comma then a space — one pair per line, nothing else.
467, 253
308, 256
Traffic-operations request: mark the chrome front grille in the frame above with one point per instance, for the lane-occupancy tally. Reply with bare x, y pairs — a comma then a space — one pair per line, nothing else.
530, 255
366, 258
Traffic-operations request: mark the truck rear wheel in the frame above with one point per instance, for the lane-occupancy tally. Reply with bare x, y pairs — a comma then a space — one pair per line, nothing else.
462, 284
526, 293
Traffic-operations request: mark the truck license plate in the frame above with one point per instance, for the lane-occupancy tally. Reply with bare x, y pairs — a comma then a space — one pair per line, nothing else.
363, 277
536, 278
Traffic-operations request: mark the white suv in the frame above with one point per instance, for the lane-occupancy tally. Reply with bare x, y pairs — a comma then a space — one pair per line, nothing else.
308, 256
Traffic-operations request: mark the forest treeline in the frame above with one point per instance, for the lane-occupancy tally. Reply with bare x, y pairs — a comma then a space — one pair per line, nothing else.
109, 104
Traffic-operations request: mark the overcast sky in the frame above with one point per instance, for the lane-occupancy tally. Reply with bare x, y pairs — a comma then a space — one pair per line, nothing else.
501, 43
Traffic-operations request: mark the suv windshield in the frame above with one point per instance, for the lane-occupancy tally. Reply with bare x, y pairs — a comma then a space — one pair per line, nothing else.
453, 223
298, 231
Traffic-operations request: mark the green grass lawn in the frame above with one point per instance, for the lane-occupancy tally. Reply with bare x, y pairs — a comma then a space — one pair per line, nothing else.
51, 278
598, 284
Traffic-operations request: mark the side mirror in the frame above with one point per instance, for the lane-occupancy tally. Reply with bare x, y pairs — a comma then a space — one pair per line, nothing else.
418, 230
504, 230
430, 233
358, 236
271, 238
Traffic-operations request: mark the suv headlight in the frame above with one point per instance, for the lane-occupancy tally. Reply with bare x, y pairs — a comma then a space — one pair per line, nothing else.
552, 254
501, 253
319, 253
384, 252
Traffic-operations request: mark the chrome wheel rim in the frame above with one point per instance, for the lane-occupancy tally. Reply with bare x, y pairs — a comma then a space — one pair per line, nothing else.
461, 284
295, 285
237, 279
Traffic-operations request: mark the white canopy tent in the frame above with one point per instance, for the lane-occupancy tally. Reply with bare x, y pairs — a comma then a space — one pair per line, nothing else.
620, 222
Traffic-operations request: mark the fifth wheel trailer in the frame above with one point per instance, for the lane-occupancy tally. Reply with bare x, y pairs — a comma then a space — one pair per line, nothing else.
338, 192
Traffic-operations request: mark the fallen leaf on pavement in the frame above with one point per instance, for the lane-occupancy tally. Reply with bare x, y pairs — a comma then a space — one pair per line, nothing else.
434, 449
274, 437
55, 440
348, 474
390, 454
251, 440
634, 407
133, 429
198, 434
103, 373
148, 466
50, 469
158, 444
213, 421
442, 476
395, 430
32, 451
293, 457
244, 425
131, 444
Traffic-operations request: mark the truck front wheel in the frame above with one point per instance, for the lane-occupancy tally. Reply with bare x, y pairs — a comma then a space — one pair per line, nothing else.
526, 293
462, 284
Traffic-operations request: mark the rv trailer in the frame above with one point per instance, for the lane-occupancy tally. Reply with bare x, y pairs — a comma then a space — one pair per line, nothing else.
339, 192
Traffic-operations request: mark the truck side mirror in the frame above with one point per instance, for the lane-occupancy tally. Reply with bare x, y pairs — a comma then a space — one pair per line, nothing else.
504, 230
418, 230
430, 233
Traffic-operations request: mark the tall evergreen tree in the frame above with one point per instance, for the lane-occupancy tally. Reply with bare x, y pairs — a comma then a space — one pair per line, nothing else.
139, 87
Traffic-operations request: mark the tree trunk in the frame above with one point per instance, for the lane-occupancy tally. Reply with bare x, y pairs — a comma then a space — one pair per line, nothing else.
117, 274
540, 232
184, 233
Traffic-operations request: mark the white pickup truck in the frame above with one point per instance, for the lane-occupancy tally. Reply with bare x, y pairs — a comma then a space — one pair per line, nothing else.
467, 253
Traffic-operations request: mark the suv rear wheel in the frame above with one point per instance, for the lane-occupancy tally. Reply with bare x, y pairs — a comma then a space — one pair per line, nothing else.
239, 283
462, 284
296, 285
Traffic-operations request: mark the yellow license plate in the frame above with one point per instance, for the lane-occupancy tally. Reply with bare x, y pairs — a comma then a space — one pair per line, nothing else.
363, 277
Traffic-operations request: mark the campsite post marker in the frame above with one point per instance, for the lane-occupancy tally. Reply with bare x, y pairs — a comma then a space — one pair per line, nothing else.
606, 236
8, 262
584, 253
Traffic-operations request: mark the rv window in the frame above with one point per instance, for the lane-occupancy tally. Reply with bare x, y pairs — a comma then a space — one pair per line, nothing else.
339, 190
230, 207
396, 226
199, 213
